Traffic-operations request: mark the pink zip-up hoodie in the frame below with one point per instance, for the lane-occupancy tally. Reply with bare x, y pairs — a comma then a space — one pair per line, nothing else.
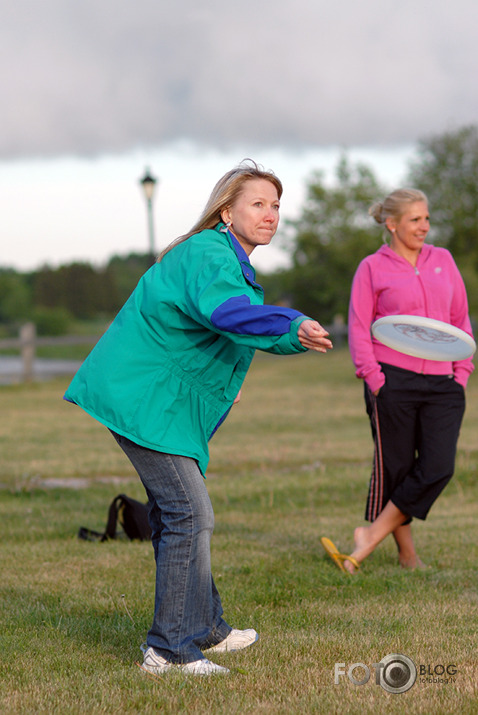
387, 284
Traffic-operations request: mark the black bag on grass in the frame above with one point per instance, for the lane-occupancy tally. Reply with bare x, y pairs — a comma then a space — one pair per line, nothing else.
132, 516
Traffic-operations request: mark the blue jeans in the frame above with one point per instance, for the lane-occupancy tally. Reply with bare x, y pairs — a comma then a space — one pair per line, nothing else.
187, 609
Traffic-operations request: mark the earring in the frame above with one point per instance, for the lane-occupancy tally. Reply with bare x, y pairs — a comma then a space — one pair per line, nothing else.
226, 227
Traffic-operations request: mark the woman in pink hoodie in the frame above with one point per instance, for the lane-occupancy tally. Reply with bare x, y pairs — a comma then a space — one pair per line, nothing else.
415, 406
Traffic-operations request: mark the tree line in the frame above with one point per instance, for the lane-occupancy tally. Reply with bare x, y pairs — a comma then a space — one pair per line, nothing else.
325, 244
53, 298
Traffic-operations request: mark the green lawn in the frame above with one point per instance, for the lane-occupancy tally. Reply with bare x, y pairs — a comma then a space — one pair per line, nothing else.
291, 464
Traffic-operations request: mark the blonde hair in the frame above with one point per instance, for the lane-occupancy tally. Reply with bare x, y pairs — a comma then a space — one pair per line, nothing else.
224, 194
395, 204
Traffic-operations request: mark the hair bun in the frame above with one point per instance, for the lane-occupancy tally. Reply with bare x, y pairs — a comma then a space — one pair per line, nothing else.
376, 212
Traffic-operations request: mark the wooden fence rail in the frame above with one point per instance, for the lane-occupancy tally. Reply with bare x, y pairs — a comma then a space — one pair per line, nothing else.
28, 342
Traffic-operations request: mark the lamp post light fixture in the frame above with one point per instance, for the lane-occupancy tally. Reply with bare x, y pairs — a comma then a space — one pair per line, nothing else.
148, 182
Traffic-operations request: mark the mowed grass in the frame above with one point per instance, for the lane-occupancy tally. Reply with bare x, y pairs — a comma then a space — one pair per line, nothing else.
290, 464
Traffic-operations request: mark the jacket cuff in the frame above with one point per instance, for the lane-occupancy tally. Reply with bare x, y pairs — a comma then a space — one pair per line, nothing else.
294, 328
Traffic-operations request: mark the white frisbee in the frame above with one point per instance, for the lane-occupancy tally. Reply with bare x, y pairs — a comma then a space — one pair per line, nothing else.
424, 338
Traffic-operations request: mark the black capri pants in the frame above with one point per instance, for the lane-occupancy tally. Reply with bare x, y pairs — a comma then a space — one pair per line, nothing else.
415, 422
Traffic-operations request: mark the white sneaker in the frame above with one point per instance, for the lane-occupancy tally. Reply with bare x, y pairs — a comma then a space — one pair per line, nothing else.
153, 662
156, 664
203, 667
236, 640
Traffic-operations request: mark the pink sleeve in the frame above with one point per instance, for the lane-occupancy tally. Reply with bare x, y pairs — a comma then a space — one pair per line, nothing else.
361, 316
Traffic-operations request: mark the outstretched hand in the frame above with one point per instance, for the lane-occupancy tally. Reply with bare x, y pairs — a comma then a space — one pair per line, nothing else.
313, 336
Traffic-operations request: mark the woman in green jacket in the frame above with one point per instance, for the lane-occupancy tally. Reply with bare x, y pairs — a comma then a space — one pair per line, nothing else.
164, 376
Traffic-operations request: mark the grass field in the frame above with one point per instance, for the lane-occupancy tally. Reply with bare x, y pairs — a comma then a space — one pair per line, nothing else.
291, 464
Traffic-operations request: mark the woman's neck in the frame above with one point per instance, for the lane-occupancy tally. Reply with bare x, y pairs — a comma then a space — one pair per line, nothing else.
408, 254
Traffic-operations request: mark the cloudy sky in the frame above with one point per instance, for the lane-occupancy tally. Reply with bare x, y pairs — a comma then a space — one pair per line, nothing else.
95, 90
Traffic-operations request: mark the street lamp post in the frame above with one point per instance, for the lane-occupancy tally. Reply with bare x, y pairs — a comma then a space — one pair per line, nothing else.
148, 182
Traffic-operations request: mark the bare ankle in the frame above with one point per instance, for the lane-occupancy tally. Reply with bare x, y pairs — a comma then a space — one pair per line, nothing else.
411, 561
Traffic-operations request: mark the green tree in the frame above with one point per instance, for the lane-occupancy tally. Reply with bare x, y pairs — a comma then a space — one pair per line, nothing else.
330, 238
81, 289
15, 296
127, 271
48, 290
446, 169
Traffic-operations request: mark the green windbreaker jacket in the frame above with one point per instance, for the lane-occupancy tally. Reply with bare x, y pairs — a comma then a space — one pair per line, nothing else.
169, 367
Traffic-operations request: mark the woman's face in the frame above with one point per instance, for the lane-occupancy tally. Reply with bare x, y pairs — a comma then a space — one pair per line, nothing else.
255, 214
410, 231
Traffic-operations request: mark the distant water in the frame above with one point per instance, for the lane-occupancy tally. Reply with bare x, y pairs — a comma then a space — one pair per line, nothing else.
11, 369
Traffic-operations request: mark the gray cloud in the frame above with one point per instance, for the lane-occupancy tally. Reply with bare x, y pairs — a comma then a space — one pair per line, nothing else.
93, 76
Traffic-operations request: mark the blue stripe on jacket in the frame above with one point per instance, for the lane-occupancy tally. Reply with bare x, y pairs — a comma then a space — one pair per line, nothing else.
237, 315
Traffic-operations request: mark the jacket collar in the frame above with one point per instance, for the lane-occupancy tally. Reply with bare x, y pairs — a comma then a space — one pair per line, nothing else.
248, 270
